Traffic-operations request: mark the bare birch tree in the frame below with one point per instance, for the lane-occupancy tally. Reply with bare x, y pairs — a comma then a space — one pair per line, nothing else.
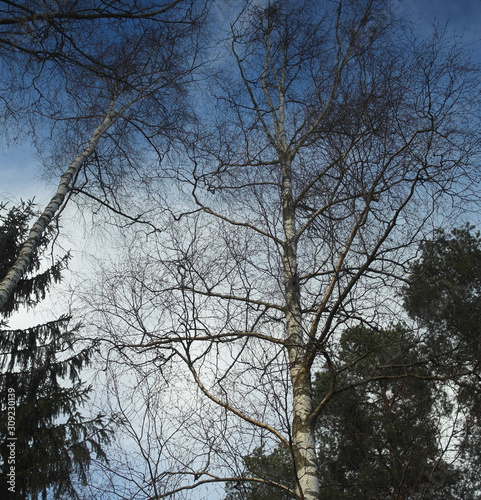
334, 139
82, 74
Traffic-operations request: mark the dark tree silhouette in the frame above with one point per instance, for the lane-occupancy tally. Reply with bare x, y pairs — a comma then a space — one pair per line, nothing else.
44, 435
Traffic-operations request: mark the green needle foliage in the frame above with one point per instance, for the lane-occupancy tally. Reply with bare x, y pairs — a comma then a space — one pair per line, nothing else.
34, 285
41, 366
275, 467
391, 392
380, 431
444, 295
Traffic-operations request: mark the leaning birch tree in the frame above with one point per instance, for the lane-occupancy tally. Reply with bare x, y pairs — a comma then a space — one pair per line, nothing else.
329, 145
77, 75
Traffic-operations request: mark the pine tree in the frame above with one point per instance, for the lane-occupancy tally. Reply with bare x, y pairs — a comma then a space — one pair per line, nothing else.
394, 387
46, 444
443, 293
274, 468
379, 432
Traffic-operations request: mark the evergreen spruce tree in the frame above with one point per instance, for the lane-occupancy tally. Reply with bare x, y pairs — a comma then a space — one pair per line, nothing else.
46, 444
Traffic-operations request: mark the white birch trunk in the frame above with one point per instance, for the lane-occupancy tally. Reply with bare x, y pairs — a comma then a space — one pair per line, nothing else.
10, 281
302, 430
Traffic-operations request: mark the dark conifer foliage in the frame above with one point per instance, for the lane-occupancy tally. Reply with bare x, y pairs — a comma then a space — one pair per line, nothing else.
444, 294
273, 470
380, 432
33, 287
388, 392
41, 366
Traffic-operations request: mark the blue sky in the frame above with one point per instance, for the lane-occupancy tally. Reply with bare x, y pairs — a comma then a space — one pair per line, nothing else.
463, 17
20, 174
20, 177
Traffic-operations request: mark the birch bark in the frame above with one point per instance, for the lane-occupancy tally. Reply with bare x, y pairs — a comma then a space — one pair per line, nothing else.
302, 431
14, 275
